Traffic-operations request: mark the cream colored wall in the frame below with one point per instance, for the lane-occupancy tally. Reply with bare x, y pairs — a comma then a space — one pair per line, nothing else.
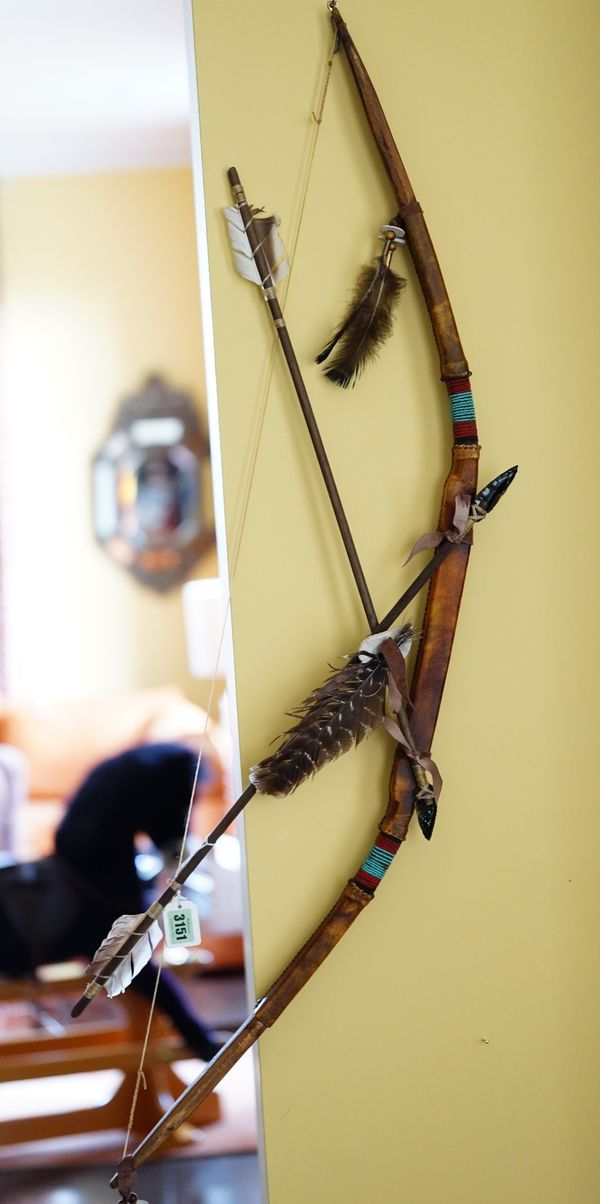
448, 1050
99, 289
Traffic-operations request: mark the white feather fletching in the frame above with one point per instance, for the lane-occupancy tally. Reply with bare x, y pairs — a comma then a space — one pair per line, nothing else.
372, 643
242, 251
134, 961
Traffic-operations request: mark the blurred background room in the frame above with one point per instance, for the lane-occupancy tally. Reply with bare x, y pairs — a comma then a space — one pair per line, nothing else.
106, 521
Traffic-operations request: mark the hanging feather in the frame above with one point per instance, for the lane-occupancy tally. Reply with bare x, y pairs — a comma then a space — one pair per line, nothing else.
336, 716
366, 326
271, 242
368, 321
134, 961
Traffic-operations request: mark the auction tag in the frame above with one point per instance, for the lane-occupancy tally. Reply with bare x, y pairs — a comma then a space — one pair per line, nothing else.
182, 926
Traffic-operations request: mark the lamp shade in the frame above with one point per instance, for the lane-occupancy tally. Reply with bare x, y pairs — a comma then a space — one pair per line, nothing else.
203, 615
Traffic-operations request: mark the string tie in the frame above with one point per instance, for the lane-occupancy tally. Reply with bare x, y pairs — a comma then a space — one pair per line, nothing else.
460, 532
398, 695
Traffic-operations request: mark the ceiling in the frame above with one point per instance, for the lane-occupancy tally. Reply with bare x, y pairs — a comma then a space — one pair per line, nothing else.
92, 85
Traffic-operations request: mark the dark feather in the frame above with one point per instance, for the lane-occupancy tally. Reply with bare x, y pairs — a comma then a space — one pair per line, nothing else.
366, 325
349, 705
266, 228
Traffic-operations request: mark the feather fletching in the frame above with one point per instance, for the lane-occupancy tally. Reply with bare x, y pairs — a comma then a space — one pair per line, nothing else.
271, 243
365, 326
333, 718
132, 962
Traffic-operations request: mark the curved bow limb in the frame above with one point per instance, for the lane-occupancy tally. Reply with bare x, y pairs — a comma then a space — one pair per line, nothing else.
352, 901
443, 603
356, 894
306, 962
439, 626
441, 616
482, 505
452, 358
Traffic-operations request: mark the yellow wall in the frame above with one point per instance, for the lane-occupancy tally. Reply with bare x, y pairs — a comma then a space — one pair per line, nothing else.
447, 1052
99, 289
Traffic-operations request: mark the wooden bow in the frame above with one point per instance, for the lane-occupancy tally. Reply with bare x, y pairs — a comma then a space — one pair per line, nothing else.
443, 603
439, 625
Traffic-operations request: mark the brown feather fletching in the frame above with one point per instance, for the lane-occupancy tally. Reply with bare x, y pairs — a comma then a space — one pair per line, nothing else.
336, 716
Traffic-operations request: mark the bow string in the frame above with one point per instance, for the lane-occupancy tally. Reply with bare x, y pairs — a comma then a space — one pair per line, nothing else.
415, 780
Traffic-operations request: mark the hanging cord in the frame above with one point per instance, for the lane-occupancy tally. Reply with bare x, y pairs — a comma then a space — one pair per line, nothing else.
204, 734
140, 1077
298, 218
296, 227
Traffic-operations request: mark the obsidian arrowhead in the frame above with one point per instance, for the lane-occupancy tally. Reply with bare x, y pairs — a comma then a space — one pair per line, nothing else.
426, 815
490, 495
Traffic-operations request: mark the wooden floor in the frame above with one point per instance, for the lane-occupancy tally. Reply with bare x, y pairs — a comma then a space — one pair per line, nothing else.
221, 1000
229, 1180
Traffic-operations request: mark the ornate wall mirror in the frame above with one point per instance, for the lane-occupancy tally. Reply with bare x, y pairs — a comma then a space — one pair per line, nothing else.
149, 487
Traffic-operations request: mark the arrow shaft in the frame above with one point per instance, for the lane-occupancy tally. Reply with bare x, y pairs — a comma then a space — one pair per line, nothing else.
192, 862
443, 605
156, 909
308, 413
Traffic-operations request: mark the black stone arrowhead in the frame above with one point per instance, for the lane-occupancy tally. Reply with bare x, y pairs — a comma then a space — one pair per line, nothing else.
426, 815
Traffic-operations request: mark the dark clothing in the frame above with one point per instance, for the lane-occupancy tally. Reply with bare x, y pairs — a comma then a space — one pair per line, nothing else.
63, 906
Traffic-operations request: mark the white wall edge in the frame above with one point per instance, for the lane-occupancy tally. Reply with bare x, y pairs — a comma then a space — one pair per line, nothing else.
210, 374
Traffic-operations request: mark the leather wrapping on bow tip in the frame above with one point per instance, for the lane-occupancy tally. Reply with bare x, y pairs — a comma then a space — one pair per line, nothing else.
126, 1177
433, 657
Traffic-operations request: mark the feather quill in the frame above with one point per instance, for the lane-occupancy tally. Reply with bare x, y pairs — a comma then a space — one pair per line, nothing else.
333, 718
242, 252
134, 961
366, 324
